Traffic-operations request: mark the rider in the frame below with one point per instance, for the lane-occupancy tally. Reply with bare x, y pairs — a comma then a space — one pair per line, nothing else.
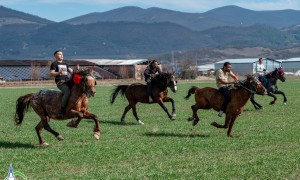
261, 71
222, 83
149, 73
59, 70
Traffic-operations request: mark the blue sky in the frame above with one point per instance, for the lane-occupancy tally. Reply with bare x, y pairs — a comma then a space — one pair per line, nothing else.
59, 10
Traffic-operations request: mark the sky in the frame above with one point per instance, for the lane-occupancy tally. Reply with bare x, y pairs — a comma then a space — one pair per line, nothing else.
60, 10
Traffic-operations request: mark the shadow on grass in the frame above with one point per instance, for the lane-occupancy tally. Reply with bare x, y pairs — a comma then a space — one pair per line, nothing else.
118, 123
152, 134
13, 145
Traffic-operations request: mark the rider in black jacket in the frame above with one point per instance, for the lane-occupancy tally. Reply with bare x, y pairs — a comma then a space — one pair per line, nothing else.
149, 73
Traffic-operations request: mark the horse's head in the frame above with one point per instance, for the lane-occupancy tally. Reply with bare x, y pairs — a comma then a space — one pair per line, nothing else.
86, 81
253, 85
170, 81
278, 73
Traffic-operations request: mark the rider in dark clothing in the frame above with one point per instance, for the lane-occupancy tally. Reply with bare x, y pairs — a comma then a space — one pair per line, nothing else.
149, 73
60, 70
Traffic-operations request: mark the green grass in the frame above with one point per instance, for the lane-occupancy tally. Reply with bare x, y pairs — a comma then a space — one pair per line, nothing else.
161, 149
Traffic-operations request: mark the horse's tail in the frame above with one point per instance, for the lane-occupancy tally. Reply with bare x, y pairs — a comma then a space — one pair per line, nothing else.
116, 91
22, 106
191, 91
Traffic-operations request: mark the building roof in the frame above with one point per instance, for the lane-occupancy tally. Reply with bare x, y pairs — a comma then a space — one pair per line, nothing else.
206, 67
244, 60
297, 59
118, 61
41, 62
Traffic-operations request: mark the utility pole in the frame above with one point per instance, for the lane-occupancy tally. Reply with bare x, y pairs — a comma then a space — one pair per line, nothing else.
173, 61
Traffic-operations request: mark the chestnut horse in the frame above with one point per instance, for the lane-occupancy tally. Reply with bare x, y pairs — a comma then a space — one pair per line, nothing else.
208, 97
271, 86
138, 93
46, 103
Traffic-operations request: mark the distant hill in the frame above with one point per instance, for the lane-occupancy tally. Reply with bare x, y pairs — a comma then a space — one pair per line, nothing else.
10, 16
132, 32
223, 16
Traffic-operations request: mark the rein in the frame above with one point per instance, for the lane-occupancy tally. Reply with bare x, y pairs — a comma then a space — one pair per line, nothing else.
251, 91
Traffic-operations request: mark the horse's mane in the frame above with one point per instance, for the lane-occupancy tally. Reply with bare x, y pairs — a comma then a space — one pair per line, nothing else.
275, 71
83, 73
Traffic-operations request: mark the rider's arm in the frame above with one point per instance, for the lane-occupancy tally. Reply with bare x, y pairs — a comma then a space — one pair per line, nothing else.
234, 77
70, 70
158, 70
147, 72
53, 73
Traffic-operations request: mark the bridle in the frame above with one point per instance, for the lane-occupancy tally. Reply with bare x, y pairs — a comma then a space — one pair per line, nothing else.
241, 84
86, 87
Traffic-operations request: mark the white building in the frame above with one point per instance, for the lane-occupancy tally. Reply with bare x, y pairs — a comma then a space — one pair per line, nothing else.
291, 65
246, 66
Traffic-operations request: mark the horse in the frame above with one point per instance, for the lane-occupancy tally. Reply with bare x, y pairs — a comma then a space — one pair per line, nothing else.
270, 82
46, 104
208, 97
138, 93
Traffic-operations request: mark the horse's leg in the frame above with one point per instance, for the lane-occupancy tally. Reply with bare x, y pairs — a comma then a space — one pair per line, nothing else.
274, 98
168, 99
126, 109
75, 122
49, 129
133, 106
255, 104
160, 102
283, 94
230, 127
38, 129
88, 115
227, 122
195, 117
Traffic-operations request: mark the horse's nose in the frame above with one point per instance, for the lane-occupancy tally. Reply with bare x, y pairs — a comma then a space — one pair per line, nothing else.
93, 93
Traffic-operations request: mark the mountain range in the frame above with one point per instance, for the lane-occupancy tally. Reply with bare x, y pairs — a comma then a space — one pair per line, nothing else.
133, 32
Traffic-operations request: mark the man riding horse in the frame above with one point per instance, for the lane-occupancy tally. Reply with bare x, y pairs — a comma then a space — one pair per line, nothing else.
149, 73
222, 83
59, 70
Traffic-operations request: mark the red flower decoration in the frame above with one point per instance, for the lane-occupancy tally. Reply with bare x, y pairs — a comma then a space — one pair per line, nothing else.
77, 79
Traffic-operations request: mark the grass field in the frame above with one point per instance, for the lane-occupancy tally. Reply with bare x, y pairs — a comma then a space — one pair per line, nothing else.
268, 148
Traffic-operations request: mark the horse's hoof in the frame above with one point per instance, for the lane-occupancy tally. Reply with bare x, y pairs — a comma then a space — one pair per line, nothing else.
195, 122
44, 144
214, 124
173, 117
97, 135
284, 103
60, 137
190, 119
71, 124
272, 102
140, 122
123, 122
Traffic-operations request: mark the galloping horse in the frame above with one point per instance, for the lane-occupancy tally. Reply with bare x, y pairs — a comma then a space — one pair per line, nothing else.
208, 97
271, 86
46, 103
138, 93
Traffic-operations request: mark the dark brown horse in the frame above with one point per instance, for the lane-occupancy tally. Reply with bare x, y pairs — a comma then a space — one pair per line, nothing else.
138, 93
46, 103
270, 82
208, 97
